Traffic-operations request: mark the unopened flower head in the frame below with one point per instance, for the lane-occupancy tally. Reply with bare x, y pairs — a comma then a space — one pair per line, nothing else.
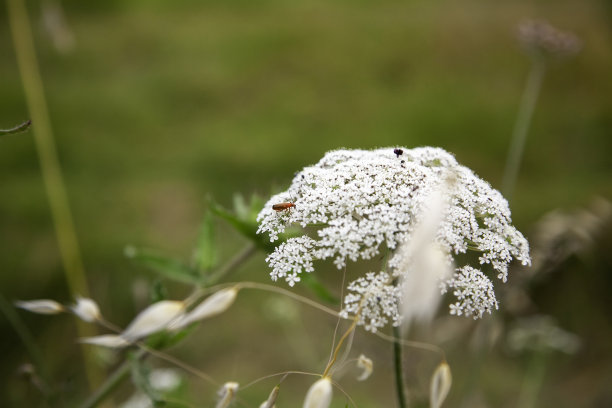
227, 394
86, 309
364, 202
542, 39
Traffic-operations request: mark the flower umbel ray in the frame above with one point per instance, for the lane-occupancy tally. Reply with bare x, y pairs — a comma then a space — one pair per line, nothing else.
363, 201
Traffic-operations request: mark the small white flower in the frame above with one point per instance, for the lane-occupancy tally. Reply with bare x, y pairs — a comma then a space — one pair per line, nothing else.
42, 306
319, 395
154, 318
360, 203
226, 394
106, 340
211, 306
366, 365
86, 309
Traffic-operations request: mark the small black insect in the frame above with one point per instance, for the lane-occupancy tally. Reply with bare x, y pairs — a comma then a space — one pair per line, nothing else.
398, 152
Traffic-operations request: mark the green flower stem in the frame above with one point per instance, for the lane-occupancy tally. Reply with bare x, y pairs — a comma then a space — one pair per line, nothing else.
112, 382
233, 264
534, 378
51, 171
521, 127
398, 366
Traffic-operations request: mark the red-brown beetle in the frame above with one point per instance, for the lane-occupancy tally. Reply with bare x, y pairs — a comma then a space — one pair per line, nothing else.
282, 206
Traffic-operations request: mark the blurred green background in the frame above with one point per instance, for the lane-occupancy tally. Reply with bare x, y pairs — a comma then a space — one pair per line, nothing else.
158, 105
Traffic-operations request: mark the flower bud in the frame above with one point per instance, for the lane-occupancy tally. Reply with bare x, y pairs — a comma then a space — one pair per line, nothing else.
226, 394
41, 306
86, 309
319, 395
269, 403
441, 381
156, 317
211, 306
106, 340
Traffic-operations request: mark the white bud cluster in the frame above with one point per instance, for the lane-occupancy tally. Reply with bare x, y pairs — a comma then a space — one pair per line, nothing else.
358, 203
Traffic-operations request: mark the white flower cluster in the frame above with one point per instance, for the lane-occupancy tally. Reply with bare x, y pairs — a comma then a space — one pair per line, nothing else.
357, 203
474, 292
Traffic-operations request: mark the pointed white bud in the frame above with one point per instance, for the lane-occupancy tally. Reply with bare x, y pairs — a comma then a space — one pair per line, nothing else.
366, 365
441, 381
269, 403
226, 394
42, 306
86, 309
211, 306
106, 340
319, 395
154, 318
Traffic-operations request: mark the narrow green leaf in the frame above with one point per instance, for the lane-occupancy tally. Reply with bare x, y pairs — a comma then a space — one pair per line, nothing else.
205, 256
311, 281
167, 267
246, 228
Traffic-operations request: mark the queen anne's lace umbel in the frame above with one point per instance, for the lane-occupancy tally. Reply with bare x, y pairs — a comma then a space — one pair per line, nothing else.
360, 202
